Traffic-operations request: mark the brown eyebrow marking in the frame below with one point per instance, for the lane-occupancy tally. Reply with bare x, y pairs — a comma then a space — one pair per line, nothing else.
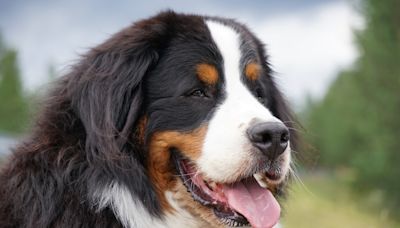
252, 71
207, 73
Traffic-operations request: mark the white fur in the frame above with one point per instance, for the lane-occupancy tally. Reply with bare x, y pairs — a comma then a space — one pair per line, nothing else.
226, 146
285, 165
181, 218
132, 214
225, 149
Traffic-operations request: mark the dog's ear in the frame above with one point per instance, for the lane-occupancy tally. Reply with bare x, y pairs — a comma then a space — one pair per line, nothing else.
107, 92
106, 95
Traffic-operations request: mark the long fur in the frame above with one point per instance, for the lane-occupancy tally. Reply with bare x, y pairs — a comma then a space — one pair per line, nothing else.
86, 136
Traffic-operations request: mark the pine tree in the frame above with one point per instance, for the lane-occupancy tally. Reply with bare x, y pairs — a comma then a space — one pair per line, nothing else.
13, 104
357, 123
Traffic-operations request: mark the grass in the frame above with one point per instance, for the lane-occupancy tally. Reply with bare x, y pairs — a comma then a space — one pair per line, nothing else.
327, 202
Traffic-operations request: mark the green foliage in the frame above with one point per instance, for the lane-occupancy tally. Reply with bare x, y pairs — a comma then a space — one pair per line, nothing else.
357, 124
14, 109
328, 202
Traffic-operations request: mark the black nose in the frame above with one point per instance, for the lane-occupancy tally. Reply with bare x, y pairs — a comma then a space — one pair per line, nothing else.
271, 138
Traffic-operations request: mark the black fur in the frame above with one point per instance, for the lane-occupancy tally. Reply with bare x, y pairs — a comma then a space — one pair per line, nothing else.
86, 135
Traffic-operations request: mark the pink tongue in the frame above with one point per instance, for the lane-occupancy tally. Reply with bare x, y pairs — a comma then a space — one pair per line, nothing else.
257, 204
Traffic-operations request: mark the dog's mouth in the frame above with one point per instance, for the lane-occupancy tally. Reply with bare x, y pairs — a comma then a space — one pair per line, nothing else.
247, 201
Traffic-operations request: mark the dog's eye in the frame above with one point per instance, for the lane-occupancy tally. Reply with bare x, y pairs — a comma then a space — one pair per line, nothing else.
261, 99
260, 96
198, 93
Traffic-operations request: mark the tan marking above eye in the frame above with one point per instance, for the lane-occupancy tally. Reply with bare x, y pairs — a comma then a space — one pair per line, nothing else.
252, 71
207, 73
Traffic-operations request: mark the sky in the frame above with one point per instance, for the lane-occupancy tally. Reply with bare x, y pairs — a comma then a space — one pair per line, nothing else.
308, 41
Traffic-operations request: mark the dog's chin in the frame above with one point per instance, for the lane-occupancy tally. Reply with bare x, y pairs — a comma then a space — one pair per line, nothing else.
244, 202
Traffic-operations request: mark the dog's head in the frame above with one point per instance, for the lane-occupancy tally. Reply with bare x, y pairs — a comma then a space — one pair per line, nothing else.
185, 107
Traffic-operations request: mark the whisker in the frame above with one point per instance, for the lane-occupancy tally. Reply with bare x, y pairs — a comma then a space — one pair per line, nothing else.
293, 122
298, 130
185, 174
289, 121
294, 172
294, 151
188, 181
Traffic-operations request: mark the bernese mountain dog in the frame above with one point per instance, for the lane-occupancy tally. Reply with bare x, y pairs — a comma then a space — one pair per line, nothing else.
175, 121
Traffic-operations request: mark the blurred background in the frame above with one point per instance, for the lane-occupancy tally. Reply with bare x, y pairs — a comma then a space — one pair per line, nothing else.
337, 61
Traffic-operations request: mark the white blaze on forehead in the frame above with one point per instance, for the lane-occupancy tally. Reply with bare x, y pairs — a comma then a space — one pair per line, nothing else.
226, 147
228, 43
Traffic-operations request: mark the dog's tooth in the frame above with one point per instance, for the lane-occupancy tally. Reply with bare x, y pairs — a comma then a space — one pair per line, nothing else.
260, 178
212, 185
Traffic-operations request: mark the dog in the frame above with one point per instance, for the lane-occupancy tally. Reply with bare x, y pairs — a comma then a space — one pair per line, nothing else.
175, 121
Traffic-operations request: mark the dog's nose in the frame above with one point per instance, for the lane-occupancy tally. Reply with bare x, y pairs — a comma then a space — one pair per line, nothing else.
271, 138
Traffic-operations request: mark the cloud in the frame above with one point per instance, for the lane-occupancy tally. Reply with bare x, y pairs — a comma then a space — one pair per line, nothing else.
307, 45
307, 48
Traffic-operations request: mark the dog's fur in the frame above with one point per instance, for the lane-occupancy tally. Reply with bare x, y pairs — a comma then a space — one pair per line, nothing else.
100, 152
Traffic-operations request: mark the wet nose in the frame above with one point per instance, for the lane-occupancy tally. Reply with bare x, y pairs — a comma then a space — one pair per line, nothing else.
271, 138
